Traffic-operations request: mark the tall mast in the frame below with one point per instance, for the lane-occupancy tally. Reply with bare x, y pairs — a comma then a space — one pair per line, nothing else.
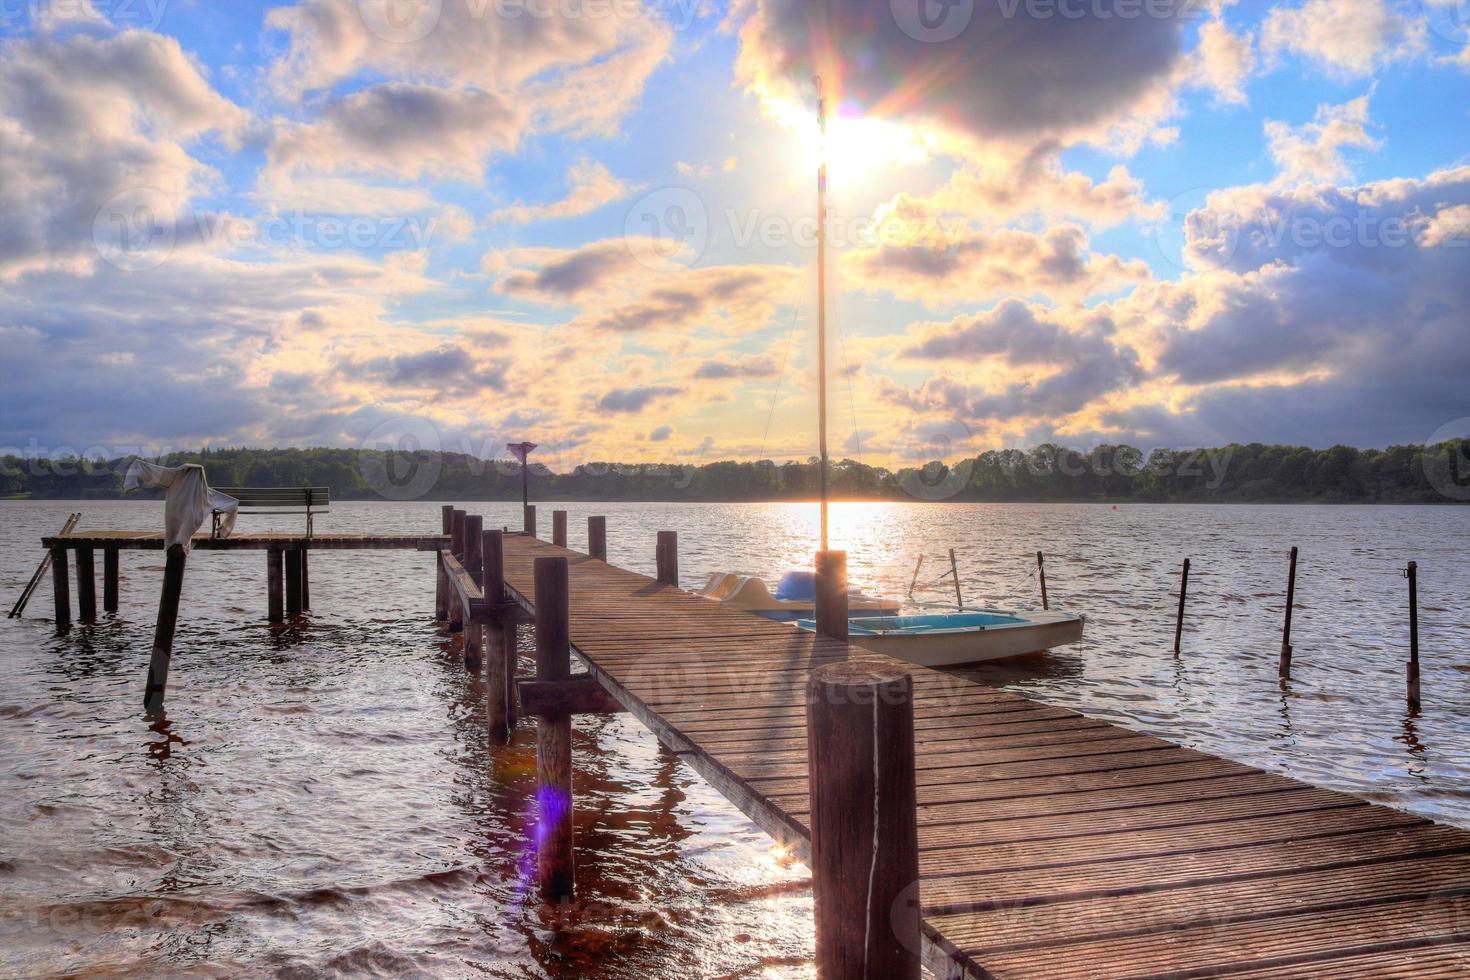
822, 305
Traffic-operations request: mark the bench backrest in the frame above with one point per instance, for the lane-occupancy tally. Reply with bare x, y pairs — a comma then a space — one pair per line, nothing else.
267, 500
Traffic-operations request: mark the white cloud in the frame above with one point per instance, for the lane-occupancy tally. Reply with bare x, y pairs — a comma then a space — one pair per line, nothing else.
1314, 152
1224, 60
590, 185
1348, 37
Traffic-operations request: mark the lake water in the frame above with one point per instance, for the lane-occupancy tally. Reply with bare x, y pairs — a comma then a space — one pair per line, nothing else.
323, 798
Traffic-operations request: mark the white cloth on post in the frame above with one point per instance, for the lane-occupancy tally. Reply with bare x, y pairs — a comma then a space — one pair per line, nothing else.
188, 502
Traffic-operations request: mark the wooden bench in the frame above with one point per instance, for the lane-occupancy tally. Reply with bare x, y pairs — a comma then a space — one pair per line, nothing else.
278, 500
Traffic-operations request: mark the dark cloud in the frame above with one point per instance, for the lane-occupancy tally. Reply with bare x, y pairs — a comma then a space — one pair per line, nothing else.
760, 366
634, 400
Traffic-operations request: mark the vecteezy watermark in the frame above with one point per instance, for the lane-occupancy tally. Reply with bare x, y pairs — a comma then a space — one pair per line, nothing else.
1449, 19
140, 229
1102, 9
669, 225
401, 459
928, 444
932, 21
400, 21
1446, 459
141, 14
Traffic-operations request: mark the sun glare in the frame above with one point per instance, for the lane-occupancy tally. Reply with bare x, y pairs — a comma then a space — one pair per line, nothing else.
857, 148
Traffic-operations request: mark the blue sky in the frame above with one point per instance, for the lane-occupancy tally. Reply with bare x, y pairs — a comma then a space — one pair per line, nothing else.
588, 223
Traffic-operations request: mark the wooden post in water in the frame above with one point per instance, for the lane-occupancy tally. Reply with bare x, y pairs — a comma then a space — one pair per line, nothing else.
293, 582
559, 528
305, 580
528, 519
163, 630
954, 572
456, 534
441, 581
1179, 620
864, 821
474, 543
1412, 574
831, 594
1041, 574
1284, 670
86, 585
61, 587
109, 579
275, 585
597, 537
554, 859
499, 638
667, 558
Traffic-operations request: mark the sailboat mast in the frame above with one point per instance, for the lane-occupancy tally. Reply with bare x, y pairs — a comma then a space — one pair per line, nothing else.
822, 307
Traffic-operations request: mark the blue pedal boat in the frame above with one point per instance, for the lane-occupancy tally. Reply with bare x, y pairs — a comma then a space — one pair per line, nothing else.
947, 639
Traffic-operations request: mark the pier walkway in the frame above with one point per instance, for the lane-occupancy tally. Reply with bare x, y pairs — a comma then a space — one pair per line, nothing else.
1052, 845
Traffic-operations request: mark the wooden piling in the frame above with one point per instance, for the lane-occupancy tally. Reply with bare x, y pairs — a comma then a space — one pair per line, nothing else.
293, 582
167, 624
559, 528
1284, 668
597, 537
1041, 574
110, 579
305, 580
474, 543
554, 858
499, 657
441, 581
276, 585
456, 534
61, 587
1412, 574
86, 585
528, 519
954, 573
831, 594
666, 558
1179, 619
864, 821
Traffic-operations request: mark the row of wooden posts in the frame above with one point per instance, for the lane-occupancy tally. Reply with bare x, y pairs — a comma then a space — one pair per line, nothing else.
1284, 663
864, 818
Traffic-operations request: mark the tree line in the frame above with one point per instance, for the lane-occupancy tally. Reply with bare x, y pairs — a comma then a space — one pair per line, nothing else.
1248, 473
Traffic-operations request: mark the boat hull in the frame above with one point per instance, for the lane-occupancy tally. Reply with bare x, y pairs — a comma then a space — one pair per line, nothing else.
931, 642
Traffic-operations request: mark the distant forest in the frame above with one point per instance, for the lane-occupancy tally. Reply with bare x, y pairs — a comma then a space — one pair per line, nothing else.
1252, 473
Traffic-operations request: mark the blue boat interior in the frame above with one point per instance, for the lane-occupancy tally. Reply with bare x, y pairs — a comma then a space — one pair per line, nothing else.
918, 625
797, 587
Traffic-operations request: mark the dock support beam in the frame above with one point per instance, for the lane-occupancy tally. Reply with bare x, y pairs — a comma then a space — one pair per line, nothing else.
597, 537
163, 631
61, 587
528, 519
500, 638
109, 579
86, 585
474, 633
554, 860
831, 594
666, 558
864, 821
559, 528
293, 582
305, 580
275, 560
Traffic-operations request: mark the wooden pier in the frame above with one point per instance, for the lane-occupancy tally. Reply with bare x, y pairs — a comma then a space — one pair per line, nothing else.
1050, 845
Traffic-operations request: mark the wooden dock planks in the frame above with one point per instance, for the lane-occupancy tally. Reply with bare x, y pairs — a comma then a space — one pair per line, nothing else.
153, 541
1051, 845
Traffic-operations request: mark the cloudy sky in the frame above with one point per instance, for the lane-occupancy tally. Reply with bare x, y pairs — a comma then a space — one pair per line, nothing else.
590, 223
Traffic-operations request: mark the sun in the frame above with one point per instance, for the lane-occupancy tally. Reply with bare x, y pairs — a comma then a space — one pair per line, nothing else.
858, 149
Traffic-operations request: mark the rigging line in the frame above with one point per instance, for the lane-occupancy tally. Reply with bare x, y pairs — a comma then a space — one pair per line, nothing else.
857, 439
796, 312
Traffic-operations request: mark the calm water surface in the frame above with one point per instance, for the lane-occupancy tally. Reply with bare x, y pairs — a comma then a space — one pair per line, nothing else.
322, 798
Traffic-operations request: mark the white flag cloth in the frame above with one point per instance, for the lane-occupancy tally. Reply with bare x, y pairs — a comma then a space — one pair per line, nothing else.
188, 502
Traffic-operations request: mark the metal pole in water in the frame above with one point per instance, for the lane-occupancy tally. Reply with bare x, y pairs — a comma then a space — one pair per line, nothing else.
1179, 620
1285, 668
